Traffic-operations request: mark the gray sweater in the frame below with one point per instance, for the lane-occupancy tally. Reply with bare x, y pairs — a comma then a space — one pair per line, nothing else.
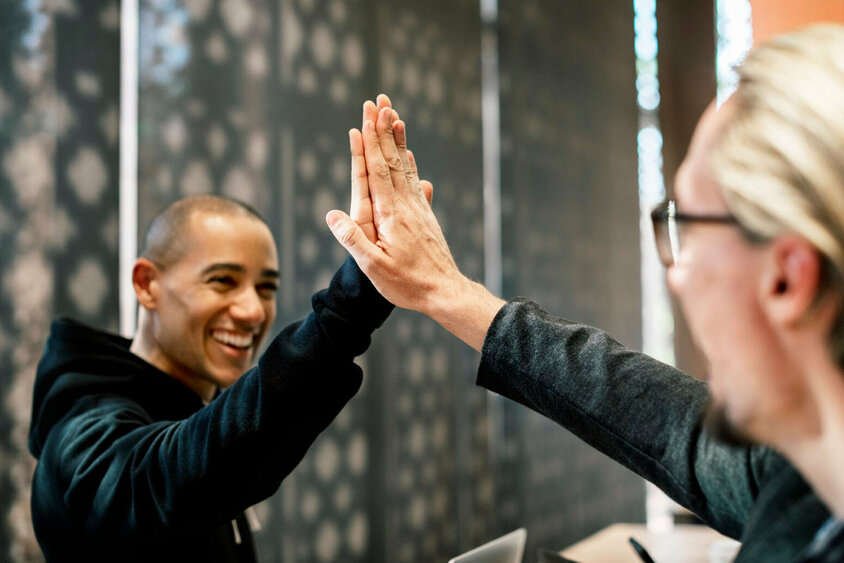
646, 415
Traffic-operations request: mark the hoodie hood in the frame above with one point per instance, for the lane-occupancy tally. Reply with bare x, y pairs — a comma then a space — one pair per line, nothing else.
82, 361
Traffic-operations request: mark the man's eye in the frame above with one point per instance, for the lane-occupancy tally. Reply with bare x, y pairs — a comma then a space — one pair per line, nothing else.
267, 289
226, 281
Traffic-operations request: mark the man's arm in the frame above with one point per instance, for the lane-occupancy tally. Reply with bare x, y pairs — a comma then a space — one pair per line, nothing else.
638, 411
635, 409
131, 477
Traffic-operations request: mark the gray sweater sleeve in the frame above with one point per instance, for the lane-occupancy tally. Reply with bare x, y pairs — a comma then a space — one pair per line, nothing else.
637, 410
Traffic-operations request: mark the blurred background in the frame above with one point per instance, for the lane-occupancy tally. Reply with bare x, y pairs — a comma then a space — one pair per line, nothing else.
548, 128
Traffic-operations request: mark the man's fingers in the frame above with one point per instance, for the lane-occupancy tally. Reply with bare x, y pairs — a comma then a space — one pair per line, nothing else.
370, 109
413, 178
383, 101
427, 189
384, 128
359, 183
411, 160
361, 207
370, 112
381, 187
412, 171
400, 136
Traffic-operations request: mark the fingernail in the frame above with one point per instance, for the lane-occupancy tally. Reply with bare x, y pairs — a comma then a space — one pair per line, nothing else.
331, 218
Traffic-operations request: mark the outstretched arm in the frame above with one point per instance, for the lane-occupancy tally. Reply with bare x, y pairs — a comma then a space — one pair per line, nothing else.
409, 261
134, 468
639, 412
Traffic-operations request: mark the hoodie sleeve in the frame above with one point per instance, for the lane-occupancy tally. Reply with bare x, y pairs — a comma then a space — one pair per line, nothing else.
637, 410
130, 477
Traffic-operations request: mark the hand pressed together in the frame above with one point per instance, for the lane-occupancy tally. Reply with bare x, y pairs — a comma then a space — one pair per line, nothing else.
398, 242
402, 249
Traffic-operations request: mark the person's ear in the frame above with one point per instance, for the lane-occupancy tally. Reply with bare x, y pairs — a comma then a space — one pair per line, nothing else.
791, 281
145, 279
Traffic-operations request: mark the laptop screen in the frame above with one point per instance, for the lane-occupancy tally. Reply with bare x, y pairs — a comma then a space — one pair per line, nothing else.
506, 549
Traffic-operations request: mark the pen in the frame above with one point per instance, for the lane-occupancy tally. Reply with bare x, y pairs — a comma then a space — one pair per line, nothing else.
643, 553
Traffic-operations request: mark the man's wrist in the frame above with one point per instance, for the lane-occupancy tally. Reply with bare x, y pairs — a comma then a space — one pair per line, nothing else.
466, 309
350, 294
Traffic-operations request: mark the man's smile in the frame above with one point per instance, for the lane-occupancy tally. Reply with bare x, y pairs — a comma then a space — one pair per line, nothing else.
232, 339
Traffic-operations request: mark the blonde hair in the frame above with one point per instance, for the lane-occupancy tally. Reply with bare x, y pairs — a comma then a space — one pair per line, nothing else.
780, 160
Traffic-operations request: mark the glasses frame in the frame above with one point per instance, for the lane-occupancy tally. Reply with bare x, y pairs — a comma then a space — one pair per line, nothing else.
666, 220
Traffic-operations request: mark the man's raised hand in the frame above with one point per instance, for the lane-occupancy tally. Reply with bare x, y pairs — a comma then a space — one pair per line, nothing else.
408, 260
400, 246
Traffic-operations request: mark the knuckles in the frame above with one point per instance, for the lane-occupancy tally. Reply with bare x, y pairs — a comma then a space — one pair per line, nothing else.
381, 168
395, 163
347, 236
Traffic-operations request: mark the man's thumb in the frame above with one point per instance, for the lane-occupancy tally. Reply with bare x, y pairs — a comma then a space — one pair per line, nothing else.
347, 232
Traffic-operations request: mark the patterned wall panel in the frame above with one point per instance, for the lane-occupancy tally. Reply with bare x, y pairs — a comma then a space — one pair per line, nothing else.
324, 75
209, 123
86, 161
403, 422
253, 100
570, 220
58, 209
439, 502
205, 111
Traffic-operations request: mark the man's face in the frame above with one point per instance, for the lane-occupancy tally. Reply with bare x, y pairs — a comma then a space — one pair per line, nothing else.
718, 280
216, 304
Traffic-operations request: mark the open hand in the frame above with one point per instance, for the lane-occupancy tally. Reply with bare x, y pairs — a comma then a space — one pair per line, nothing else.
400, 246
395, 237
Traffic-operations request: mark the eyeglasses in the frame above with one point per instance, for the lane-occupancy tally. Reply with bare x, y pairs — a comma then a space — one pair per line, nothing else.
667, 229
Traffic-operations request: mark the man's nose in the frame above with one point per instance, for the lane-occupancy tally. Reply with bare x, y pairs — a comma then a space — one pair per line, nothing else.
248, 307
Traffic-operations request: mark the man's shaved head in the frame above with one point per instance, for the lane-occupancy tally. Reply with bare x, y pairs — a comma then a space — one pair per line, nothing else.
168, 236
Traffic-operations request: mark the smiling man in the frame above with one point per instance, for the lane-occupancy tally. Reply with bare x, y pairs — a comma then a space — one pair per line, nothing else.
206, 301
152, 449
754, 247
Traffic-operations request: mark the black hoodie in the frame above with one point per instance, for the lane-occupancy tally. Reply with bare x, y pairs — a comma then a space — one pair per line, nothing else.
132, 467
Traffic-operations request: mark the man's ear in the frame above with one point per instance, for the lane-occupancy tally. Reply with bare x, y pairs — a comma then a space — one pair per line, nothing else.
791, 281
145, 276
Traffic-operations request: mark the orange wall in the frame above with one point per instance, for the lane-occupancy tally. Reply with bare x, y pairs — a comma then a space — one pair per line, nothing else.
777, 16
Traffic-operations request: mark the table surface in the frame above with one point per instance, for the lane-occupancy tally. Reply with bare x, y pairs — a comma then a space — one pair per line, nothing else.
688, 543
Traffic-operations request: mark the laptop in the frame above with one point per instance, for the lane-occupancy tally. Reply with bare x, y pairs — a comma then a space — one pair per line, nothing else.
506, 549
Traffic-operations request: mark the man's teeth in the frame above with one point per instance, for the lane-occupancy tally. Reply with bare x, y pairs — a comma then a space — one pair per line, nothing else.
235, 340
